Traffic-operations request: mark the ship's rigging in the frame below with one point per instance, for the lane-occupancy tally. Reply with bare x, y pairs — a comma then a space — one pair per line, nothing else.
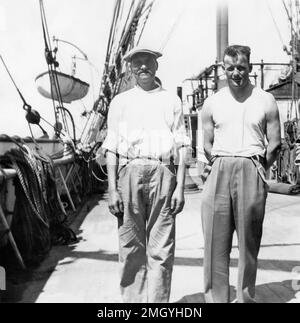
116, 76
41, 204
47, 185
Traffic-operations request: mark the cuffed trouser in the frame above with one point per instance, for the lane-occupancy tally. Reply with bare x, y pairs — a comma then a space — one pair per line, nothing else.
233, 198
146, 231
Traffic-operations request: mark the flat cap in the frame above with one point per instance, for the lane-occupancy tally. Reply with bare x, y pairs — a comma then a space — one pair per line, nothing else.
139, 49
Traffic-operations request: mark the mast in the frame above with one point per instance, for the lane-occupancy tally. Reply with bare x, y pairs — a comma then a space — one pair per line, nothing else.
222, 28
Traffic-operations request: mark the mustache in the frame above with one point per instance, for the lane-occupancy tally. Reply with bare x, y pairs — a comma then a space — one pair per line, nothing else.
143, 71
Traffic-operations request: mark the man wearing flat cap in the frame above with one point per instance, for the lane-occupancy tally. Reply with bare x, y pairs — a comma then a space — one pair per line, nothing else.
145, 153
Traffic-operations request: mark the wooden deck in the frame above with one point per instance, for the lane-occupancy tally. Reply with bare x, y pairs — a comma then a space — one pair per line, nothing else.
88, 271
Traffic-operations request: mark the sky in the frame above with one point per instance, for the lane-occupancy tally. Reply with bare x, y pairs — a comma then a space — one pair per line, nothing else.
184, 30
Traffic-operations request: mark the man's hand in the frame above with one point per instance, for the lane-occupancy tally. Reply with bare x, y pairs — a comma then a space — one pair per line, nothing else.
177, 202
115, 203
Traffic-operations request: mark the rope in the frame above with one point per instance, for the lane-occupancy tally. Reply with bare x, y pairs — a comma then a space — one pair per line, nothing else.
297, 15
18, 90
174, 26
25, 185
148, 10
110, 41
126, 23
275, 23
39, 220
45, 27
26, 106
52, 71
72, 121
48, 50
112, 80
91, 159
30, 129
289, 16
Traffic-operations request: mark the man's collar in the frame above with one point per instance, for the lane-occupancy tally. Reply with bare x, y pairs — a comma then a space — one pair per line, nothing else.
157, 89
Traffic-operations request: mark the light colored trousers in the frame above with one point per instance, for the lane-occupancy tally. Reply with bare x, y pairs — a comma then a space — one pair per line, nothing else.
146, 231
233, 198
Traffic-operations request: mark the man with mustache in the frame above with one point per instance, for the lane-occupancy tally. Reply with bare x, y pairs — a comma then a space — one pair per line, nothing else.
146, 138
241, 141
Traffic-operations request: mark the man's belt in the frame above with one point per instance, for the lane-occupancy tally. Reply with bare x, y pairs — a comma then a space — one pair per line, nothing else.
160, 159
258, 161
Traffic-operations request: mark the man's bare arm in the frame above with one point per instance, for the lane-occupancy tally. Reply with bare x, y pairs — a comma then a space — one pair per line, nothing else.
115, 202
177, 202
208, 130
181, 167
112, 165
273, 133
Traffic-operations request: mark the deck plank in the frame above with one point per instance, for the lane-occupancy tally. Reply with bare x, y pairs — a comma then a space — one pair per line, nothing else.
88, 271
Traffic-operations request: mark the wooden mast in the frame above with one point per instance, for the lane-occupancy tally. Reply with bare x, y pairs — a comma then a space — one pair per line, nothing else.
222, 28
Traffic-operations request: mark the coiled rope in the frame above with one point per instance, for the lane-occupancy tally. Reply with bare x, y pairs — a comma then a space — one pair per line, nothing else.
38, 221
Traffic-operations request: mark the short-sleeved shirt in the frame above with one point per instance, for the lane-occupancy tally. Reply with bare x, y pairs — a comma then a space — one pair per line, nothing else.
145, 124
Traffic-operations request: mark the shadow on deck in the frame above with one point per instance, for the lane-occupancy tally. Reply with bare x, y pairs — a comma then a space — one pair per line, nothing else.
95, 227
274, 292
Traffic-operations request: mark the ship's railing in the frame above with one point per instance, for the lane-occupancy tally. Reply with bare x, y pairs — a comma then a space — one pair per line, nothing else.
196, 89
67, 181
49, 145
7, 176
68, 175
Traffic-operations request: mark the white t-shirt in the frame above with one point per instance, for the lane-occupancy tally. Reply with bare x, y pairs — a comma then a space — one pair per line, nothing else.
145, 124
240, 127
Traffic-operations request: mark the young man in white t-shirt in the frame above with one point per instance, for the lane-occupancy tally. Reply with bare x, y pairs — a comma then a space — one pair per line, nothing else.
237, 122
